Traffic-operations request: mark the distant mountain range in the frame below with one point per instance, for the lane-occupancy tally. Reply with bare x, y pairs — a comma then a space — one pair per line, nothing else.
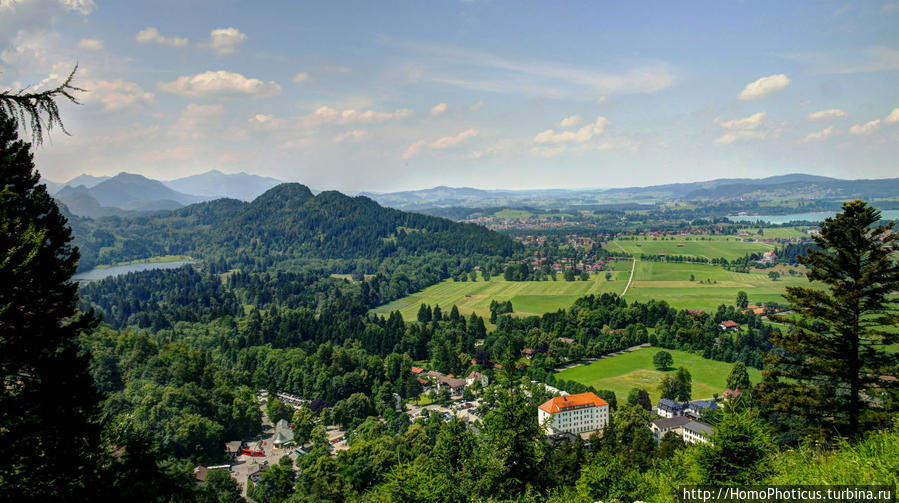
215, 184
799, 186
127, 194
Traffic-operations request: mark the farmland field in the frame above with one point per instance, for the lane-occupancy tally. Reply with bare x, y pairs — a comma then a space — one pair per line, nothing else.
528, 297
635, 370
670, 282
730, 248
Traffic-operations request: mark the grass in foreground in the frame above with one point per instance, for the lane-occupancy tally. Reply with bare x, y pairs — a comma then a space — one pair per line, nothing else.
635, 370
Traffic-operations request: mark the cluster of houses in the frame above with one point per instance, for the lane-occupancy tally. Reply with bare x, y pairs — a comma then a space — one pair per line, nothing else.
431, 380
683, 419
583, 413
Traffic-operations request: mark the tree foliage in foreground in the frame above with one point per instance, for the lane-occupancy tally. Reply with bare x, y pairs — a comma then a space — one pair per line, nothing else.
832, 371
48, 403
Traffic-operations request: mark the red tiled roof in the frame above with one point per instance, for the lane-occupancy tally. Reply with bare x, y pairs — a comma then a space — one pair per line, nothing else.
561, 403
730, 324
417, 370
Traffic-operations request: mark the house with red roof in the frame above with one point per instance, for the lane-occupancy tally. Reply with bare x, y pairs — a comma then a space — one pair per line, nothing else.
728, 325
580, 413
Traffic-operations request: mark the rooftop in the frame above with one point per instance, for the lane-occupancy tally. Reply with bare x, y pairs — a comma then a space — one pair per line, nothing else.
562, 403
699, 427
672, 422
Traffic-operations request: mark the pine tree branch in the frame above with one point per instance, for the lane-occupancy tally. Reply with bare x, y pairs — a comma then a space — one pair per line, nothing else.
39, 110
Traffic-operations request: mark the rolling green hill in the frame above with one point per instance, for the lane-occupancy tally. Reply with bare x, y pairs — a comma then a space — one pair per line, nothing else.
285, 223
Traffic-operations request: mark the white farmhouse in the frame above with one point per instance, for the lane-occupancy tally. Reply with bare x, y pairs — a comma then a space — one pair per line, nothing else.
580, 413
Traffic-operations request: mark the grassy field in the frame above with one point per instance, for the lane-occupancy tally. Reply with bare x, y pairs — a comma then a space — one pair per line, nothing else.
779, 232
712, 247
528, 297
635, 370
159, 259
671, 282
711, 287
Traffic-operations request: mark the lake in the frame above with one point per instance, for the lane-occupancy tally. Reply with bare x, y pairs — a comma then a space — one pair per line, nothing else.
108, 272
816, 216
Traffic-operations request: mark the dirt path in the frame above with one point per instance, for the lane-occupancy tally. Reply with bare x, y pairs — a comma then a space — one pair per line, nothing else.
631, 278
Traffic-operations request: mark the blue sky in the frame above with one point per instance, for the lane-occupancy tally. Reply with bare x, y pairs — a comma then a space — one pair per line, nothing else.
390, 95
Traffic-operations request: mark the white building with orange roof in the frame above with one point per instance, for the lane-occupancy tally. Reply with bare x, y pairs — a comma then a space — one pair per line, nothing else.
580, 413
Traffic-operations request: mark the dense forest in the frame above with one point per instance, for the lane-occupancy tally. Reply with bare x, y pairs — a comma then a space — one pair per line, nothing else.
286, 226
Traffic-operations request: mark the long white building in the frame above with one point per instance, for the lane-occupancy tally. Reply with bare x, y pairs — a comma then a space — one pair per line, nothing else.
580, 413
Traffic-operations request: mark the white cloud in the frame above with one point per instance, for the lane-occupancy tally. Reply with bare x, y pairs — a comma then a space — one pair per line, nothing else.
115, 95
764, 87
30, 52
751, 122
414, 149
438, 109
261, 118
80, 6
450, 141
327, 115
225, 40
152, 35
349, 135
889, 8
825, 114
440, 143
90, 44
477, 106
752, 127
220, 83
571, 121
581, 135
195, 119
893, 117
818, 135
866, 128
301, 77
601, 100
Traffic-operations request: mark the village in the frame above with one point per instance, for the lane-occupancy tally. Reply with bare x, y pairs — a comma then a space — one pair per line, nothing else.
563, 417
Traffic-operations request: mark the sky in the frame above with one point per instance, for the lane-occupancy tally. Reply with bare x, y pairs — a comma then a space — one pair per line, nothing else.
389, 95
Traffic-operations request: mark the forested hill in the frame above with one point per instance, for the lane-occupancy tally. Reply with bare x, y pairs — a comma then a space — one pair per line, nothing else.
286, 222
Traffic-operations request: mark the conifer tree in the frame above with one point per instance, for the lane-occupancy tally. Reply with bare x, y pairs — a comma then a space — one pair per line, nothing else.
834, 353
48, 403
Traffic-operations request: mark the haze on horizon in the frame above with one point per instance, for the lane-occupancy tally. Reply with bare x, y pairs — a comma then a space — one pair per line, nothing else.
496, 95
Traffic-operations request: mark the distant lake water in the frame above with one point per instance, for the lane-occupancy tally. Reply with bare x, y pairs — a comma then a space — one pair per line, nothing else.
810, 217
108, 272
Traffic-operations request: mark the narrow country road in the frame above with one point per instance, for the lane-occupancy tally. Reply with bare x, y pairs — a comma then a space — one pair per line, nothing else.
631, 278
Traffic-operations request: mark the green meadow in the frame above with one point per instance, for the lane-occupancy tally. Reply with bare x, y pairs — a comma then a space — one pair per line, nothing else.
528, 297
635, 370
728, 247
711, 286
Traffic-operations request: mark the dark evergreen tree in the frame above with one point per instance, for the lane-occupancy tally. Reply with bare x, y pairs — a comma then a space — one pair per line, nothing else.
834, 354
48, 402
